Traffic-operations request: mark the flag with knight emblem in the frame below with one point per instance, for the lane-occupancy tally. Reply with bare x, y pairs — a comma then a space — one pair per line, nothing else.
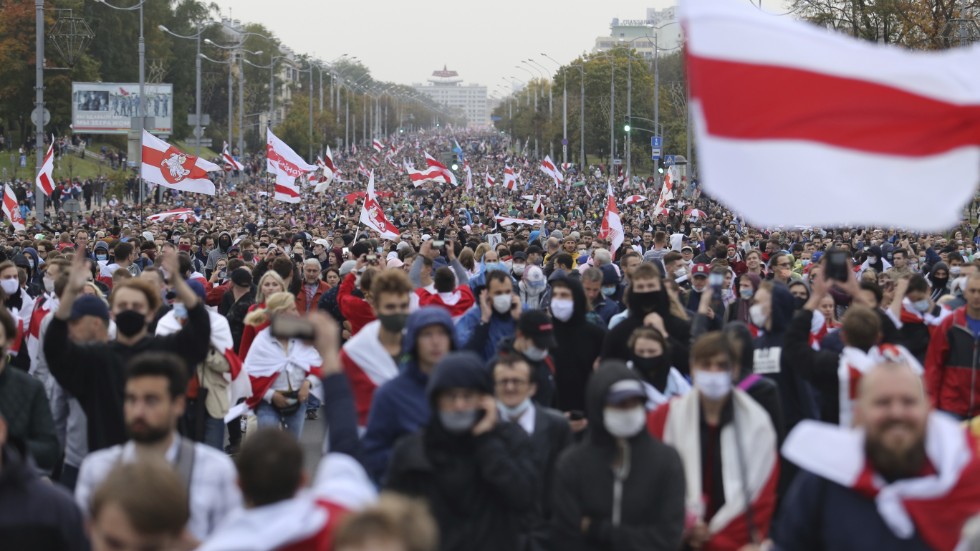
373, 217
11, 209
165, 165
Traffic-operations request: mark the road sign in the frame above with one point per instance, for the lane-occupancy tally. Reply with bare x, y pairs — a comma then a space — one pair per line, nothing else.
617, 162
46, 116
564, 141
669, 160
656, 153
656, 142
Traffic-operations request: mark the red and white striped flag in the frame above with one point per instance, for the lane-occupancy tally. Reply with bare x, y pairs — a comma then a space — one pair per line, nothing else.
510, 180
612, 225
378, 146
186, 215
550, 169
230, 162
507, 221
45, 178
538, 206
280, 158
633, 199
447, 175
165, 165
489, 180
11, 209
861, 123
361, 169
329, 165
286, 189
373, 217
666, 192
419, 177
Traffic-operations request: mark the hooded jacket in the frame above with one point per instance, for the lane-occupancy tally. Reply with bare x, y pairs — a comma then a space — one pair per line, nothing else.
585, 485
400, 406
220, 251
478, 488
579, 344
614, 345
795, 393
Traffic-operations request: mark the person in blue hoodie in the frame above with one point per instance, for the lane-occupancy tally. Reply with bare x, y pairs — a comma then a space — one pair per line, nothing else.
400, 405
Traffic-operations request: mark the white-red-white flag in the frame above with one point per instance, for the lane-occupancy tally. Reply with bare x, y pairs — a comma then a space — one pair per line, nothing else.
286, 189
507, 221
378, 146
538, 206
419, 177
185, 214
328, 164
230, 162
281, 159
510, 179
11, 209
45, 178
666, 192
165, 165
447, 175
490, 181
550, 169
373, 217
612, 225
863, 123
633, 199
469, 175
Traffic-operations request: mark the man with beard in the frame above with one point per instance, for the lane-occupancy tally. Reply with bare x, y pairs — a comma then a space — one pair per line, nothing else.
155, 386
906, 479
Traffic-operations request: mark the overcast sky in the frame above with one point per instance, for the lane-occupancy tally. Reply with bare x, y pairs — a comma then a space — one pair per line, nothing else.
404, 41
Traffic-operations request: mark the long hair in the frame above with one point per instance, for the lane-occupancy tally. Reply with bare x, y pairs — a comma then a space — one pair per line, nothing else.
277, 302
271, 274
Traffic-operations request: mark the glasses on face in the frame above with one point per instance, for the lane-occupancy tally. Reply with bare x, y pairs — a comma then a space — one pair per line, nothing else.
516, 383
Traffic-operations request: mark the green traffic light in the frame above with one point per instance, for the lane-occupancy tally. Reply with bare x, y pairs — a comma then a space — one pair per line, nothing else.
626, 128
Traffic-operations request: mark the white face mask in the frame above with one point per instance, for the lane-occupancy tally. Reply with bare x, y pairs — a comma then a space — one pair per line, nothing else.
624, 423
48, 285
757, 315
10, 286
562, 308
714, 385
513, 413
502, 303
519, 269
536, 354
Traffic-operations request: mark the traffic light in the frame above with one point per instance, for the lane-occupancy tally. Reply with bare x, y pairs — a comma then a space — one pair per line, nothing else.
661, 165
626, 125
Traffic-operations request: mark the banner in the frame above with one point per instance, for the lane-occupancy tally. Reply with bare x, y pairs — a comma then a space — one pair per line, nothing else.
107, 107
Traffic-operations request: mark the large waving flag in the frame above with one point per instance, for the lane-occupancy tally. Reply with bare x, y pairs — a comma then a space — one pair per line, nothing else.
286, 189
802, 109
612, 225
177, 214
373, 217
447, 175
550, 169
280, 158
11, 209
419, 177
510, 180
45, 178
633, 199
490, 181
165, 165
230, 162
378, 146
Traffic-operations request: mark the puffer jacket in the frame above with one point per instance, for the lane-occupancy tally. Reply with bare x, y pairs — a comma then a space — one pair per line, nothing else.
952, 361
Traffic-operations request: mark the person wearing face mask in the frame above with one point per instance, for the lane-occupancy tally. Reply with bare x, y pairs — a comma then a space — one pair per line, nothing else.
919, 316
748, 283
482, 328
370, 357
938, 279
603, 486
475, 472
219, 252
650, 357
727, 444
518, 263
46, 303
533, 288
102, 253
534, 339
16, 299
646, 296
94, 373
579, 343
549, 431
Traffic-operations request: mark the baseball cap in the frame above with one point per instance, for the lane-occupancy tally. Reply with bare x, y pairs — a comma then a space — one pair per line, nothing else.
322, 242
687, 248
537, 326
519, 255
394, 263
620, 391
700, 270
89, 305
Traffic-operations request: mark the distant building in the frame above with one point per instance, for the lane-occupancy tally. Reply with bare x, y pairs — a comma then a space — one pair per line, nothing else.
446, 88
659, 25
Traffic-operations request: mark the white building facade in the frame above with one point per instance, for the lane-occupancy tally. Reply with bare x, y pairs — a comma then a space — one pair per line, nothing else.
660, 30
447, 88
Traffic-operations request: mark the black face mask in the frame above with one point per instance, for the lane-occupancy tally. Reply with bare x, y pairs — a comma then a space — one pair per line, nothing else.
653, 370
393, 323
798, 302
651, 301
248, 256
130, 322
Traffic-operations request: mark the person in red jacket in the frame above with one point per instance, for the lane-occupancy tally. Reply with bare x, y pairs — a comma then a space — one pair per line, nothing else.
456, 299
357, 310
952, 360
312, 289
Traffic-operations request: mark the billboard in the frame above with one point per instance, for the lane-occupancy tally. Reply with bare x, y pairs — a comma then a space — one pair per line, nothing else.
106, 107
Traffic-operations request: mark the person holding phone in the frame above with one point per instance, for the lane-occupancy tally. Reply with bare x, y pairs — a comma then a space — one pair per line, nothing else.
475, 473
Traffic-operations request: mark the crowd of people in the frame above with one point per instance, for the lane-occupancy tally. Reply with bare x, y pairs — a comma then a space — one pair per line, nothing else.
707, 384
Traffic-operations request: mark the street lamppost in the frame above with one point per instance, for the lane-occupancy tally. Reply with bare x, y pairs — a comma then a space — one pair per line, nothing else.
240, 50
564, 108
231, 115
197, 82
142, 73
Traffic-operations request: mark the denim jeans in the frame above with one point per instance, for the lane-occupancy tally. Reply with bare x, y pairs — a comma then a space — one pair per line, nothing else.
312, 403
268, 416
214, 433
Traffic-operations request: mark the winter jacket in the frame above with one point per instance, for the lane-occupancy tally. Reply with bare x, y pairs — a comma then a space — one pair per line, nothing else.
219, 252
579, 344
952, 363
24, 405
400, 406
478, 488
483, 338
585, 485
614, 345
303, 305
34, 513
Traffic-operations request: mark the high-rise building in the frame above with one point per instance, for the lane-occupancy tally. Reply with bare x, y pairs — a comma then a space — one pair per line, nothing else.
659, 30
447, 88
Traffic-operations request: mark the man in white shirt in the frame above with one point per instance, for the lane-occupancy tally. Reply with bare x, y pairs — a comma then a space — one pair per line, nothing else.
154, 401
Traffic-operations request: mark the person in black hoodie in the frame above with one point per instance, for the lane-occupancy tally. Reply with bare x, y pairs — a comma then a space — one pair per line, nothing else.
647, 295
476, 474
579, 342
619, 488
761, 389
771, 312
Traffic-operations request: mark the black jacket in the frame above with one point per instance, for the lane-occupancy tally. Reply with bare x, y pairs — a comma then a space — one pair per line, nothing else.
477, 488
579, 344
614, 346
552, 435
95, 374
235, 312
652, 504
35, 514
25, 407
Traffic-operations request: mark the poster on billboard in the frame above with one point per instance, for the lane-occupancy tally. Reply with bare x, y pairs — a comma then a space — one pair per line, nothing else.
106, 107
